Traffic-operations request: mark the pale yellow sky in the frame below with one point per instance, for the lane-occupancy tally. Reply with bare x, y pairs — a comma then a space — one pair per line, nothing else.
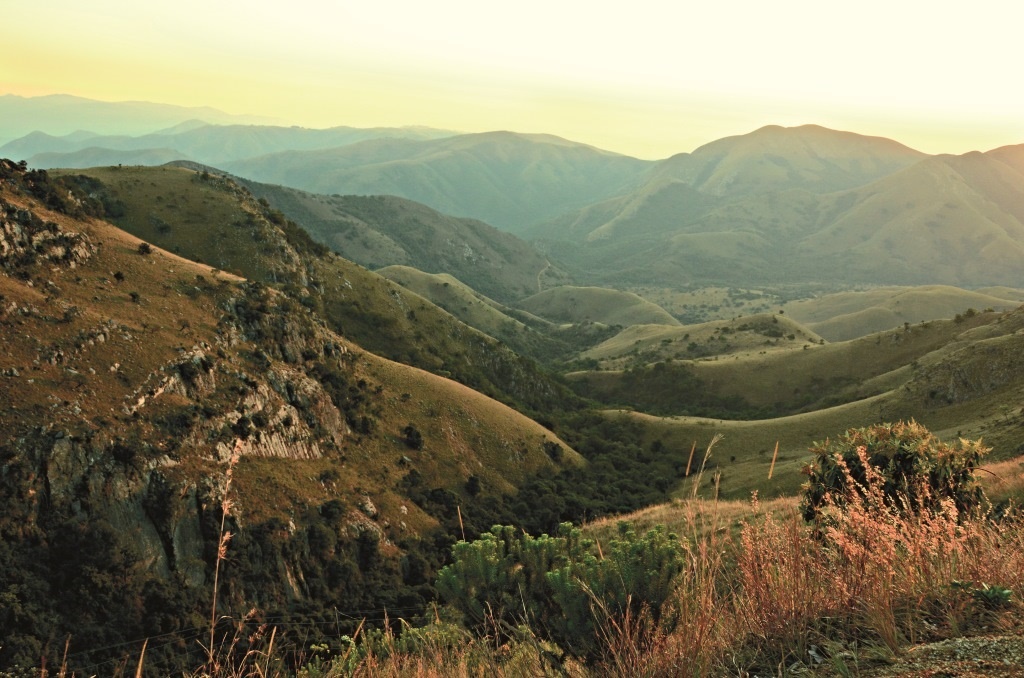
647, 77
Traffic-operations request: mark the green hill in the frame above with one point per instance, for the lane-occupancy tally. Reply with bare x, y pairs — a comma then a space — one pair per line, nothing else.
378, 231
211, 219
642, 344
781, 376
569, 304
848, 315
966, 382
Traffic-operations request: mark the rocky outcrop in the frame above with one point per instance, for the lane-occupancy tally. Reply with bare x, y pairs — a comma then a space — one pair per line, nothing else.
975, 371
25, 239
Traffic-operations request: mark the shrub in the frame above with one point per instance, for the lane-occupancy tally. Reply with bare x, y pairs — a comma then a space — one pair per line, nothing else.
412, 437
918, 470
565, 586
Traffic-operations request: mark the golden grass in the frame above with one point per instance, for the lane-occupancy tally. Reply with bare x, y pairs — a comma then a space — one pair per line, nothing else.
760, 589
1004, 480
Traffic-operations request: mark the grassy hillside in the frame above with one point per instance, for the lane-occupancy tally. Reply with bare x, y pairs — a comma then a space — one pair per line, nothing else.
145, 395
215, 221
643, 344
957, 378
570, 304
506, 179
847, 315
780, 377
378, 231
980, 218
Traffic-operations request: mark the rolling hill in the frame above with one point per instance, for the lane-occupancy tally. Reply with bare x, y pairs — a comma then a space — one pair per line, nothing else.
957, 378
378, 231
643, 344
848, 315
476, 310
610, 307
747, 368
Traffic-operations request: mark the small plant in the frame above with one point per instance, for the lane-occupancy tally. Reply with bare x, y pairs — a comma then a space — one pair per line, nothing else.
993, 597
145, 248
990, 597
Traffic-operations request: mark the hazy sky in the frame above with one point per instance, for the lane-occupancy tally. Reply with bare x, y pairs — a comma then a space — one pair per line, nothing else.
644, 77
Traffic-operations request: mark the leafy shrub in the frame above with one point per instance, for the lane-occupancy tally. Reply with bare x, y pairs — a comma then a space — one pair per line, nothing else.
919, 470
564, 586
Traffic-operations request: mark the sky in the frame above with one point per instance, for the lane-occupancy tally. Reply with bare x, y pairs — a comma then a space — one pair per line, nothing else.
646, 77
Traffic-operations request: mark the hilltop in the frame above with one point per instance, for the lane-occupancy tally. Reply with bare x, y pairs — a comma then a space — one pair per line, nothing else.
848, 315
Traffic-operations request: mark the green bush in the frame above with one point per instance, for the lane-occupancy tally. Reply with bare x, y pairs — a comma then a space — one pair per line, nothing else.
919, 470
564, 587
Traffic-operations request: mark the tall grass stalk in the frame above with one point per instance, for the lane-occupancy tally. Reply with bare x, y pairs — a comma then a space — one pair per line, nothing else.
224, 537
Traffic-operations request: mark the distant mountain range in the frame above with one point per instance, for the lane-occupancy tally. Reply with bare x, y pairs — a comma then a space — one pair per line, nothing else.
834, 207
775, 206
63, 114
200, 142
506, 179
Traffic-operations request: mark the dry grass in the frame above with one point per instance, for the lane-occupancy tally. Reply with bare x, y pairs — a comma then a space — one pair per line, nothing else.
1004, 480
760, 590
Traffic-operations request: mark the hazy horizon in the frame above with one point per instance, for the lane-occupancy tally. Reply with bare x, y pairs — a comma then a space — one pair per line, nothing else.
650, 80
